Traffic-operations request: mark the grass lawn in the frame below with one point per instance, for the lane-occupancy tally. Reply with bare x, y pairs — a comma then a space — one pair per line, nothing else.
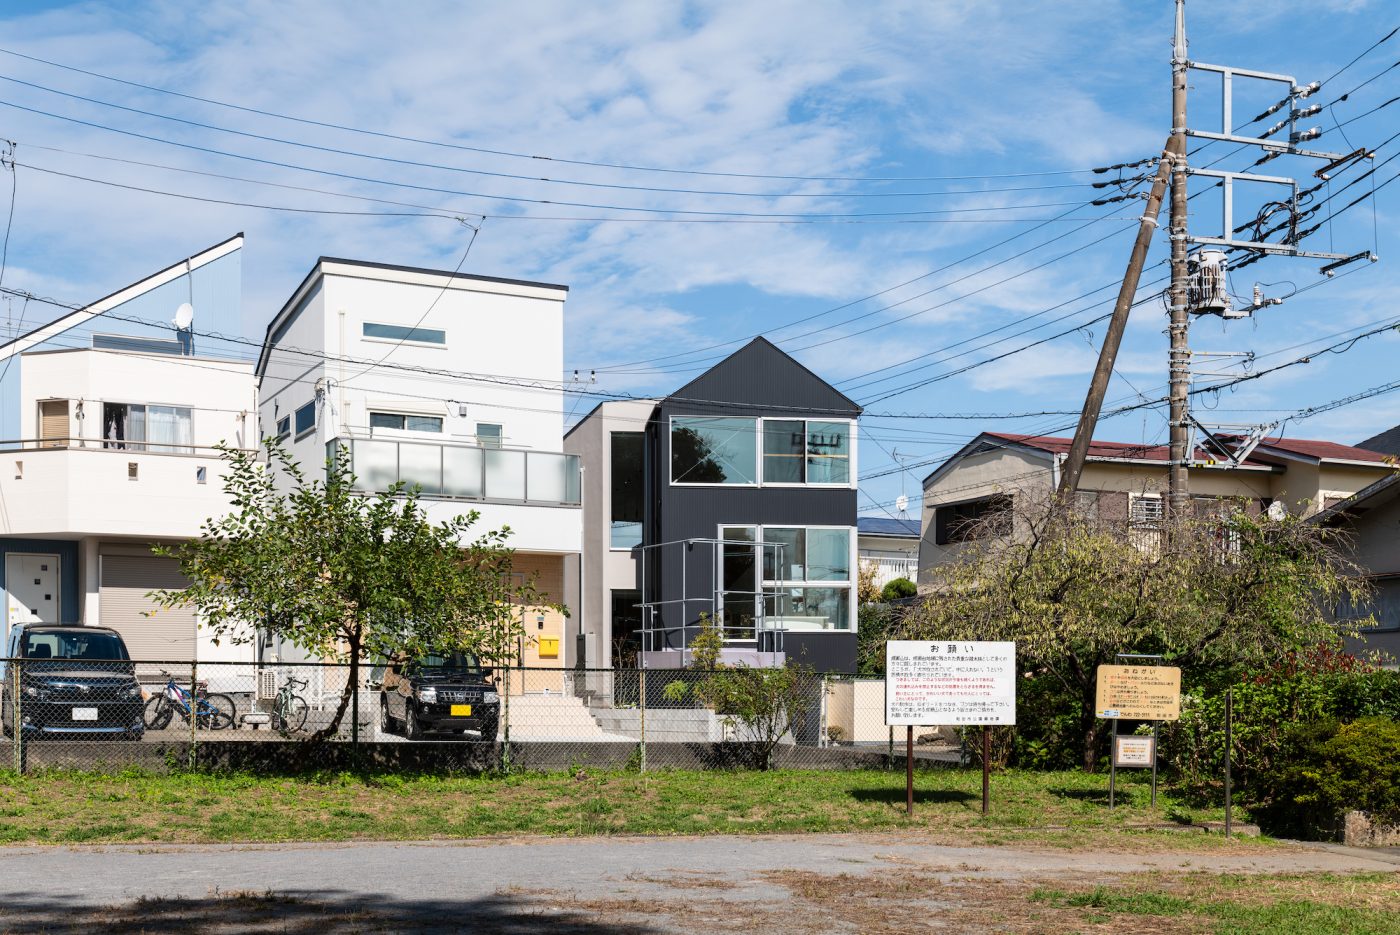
1059, 809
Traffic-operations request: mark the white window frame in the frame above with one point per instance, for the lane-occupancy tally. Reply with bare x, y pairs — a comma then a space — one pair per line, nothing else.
759, 427
851, 471
408, 342
145, 404
768, 585
758, 454
405, 416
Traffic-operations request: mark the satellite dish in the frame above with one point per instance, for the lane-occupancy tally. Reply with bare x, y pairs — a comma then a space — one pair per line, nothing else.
184, 316
901, 503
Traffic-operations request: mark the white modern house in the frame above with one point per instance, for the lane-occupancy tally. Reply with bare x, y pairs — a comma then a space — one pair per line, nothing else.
889, 548
446, 381
109, 416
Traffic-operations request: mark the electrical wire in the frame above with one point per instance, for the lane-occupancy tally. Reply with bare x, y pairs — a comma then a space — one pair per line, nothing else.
538, 158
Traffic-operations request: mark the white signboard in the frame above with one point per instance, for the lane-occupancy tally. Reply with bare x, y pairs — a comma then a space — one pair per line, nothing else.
941, 683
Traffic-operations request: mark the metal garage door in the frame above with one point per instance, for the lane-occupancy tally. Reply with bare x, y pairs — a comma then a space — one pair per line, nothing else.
126, 579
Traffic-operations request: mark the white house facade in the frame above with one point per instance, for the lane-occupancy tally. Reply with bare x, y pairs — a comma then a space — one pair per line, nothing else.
445, 381
111, 416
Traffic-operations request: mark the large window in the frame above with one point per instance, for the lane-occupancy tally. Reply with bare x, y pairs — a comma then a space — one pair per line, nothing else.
714, 450
806, 583
140, 427
404, 422
381, 332
626, 493
802, 452
963, 522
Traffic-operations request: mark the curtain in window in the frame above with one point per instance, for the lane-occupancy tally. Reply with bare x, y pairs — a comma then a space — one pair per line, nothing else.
168, 428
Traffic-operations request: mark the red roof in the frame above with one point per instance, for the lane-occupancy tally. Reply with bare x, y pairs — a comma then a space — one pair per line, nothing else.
1097, 449
1327, 451
1126, 450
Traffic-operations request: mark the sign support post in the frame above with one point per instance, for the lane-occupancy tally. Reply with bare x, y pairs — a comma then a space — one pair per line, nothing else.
946, 683
909, 770
1136, 692
986, 770
1113, 764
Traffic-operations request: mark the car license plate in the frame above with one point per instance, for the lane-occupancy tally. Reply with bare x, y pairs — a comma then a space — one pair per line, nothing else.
461, 710
84, 714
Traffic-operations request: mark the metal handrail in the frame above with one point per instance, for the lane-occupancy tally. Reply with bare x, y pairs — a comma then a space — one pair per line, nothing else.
71, 443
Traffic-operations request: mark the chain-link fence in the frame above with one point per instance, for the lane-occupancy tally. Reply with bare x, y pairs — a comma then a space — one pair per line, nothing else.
105, 715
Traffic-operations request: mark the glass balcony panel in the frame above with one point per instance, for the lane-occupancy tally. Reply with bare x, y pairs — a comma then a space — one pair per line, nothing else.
421, 465
553, 477
505, 474
461, 472
376, 464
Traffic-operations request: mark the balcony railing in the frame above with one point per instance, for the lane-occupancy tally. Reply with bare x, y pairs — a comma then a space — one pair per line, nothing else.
55, 443
463, 472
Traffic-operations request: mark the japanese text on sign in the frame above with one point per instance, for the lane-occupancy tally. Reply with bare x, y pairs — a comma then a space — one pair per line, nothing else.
963, 683
1139, 693
1130, 750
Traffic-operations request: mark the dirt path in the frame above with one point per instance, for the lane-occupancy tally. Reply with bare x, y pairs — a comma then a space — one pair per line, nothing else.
757, 885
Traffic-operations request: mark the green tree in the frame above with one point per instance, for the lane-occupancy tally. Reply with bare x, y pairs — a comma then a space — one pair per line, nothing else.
343, 575
1216, 595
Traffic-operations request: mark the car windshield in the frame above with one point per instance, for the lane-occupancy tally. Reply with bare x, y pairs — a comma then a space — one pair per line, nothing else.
76, 644
457, 662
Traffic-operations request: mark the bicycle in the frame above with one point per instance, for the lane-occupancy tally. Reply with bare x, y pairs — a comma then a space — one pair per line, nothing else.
289, 709
211, 712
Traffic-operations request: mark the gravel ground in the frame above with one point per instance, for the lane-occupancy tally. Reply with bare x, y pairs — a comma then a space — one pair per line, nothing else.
767, 884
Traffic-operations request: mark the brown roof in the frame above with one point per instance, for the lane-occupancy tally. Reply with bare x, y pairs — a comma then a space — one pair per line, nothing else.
1308, 448
1326, 451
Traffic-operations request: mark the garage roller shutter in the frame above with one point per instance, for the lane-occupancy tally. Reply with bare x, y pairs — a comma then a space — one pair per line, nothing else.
126, 579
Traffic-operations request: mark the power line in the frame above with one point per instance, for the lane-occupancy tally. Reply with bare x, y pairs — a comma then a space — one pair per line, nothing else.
526, 178
558, 159
517, 199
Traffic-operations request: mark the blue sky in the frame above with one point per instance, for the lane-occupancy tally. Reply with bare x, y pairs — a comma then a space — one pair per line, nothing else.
989, 105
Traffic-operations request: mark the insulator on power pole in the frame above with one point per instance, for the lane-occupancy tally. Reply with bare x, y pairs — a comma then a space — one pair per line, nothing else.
1305, 135
1207, 293
1308, 90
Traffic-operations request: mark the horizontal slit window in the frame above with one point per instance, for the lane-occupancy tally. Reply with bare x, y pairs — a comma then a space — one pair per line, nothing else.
372, 329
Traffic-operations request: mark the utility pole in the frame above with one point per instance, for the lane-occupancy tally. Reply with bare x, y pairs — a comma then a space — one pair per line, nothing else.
1098, 385
1179, 357
1199, 285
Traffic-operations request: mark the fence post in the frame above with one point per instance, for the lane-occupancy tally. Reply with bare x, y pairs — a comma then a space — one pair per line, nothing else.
354, 716
505, 722
16, 723
194, 711
642, 708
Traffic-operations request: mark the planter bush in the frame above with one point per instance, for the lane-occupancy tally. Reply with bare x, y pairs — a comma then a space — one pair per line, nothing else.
1329, 770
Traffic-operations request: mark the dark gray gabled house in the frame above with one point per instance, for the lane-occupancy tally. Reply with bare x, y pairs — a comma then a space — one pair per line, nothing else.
733, 498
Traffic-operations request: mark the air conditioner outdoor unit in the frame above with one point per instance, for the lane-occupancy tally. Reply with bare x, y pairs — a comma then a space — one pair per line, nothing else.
267, 684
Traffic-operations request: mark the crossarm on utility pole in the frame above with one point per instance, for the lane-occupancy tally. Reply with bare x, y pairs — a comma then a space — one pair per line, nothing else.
1098, 386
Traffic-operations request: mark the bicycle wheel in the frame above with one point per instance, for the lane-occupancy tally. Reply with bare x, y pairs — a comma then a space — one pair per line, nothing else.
158, 713
294, 714
217, 712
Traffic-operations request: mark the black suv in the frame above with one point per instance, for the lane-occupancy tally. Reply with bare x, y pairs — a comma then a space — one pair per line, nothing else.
447, 692
74, 681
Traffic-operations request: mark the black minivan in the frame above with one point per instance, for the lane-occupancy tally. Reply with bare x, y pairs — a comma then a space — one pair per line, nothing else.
440, 692
74, 681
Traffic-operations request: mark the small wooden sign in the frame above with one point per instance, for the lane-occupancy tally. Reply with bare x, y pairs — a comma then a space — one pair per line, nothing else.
1139, 693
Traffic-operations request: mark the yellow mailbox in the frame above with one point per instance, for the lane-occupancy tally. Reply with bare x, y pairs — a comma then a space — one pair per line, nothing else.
549, 647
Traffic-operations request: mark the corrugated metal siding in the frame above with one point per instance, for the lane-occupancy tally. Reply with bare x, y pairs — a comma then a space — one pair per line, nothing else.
126, 579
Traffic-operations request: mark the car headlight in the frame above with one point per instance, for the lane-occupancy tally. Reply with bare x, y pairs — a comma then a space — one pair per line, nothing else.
31, 692
490, 698
427, 695
132, 692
